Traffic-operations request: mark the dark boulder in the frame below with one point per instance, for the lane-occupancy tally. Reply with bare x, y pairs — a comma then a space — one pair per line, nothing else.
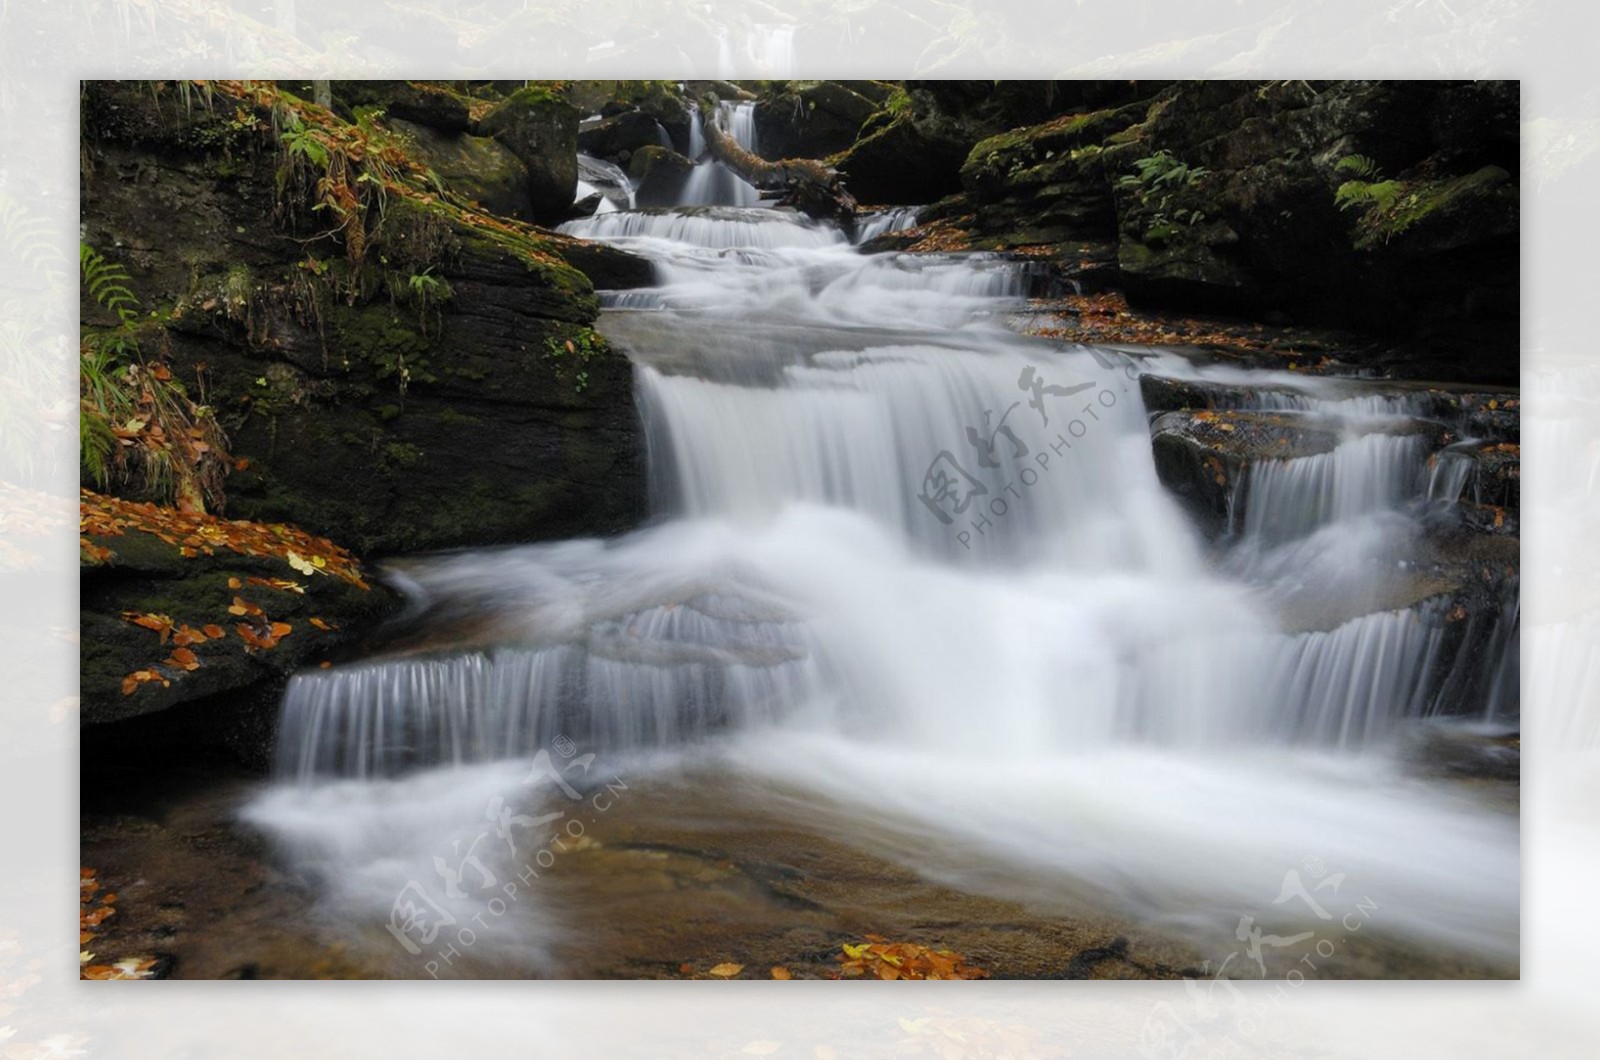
809, 119
474, 166
146, 607
658, 174
541, 129
626, 133
422, 102
449, 393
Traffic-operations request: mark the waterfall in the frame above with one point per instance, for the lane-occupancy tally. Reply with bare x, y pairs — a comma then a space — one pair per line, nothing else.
711, 183
916, 576
883, 222
1280, 499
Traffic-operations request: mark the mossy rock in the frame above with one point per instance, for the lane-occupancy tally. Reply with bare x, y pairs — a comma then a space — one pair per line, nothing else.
540, 128
422, 102
147, 575
476, 167
658, 174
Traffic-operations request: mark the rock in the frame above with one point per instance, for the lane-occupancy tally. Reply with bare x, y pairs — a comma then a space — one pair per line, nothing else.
420, 102
1202, 456
541, 129
899, 164
1362, 205
476, 167
924, 134
1474, 753
658, 174
613, 138
1048, 181
1495, 478
145, 575
1492, 414
481, 411
1165, 394
809, 119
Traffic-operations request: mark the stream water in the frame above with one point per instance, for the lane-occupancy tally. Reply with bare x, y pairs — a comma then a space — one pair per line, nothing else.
912, 583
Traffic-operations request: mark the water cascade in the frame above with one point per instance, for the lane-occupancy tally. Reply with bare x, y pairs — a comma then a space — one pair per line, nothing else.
916, 576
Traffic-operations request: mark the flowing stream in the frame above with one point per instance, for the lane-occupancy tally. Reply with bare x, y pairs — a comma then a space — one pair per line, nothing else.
912, 579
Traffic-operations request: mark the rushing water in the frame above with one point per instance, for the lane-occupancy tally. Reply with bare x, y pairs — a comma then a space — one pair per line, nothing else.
916, 577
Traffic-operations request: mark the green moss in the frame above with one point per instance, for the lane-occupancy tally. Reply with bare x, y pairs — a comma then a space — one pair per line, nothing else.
452, 418
377, 336
399, 456
572, 349
1418, 202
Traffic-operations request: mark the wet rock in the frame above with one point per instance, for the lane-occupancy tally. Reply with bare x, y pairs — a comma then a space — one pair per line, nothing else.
1475, 753
1202, 456
1497, 477
658, 174
1165, 394
476, 167
614, 137
1489, 519
809, 119
541, 129
146, 575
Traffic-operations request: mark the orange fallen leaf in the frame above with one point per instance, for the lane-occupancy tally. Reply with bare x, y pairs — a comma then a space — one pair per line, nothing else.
780, 972
727, 970
241, 606
215, 632
184, 659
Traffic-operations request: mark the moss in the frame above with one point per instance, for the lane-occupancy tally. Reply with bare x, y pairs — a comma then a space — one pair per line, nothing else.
379, 337
399, 456
1422, 201
450, 417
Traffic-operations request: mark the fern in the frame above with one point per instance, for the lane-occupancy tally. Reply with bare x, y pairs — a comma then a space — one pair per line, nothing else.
107, 283
1359, 193
1360, 167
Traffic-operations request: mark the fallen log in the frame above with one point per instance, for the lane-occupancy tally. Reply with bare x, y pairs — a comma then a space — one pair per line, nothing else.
808, 185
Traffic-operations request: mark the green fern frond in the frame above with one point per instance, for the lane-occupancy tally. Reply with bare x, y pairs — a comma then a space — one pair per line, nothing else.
107, 283
1360, 167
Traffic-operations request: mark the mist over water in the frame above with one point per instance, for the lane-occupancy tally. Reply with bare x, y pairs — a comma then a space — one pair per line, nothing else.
915, 579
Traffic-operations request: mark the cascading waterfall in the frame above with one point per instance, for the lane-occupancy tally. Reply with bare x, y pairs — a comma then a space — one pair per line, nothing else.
1280, 499
711, 183
884, 222
917, 576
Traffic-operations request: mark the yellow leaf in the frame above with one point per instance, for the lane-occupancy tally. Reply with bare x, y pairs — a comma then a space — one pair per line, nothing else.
856, 952
299, 564
727, 970
780, 972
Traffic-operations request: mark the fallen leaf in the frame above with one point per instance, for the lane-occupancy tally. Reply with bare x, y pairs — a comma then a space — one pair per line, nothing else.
780, 972
727, 970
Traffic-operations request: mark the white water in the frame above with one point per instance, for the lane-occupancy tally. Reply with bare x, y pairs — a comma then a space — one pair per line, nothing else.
711, 183
1055, 696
